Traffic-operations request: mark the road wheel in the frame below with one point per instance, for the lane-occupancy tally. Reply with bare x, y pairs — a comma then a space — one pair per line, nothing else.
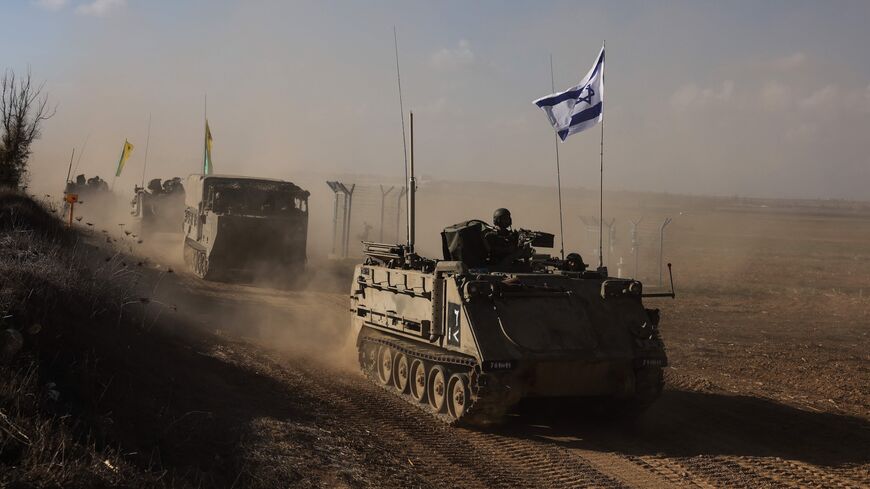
418, 380
649, 382
458, 395
648, 385
201, 265
198, 264
385, 365
401, 373
368, 357
189, 256
437, 388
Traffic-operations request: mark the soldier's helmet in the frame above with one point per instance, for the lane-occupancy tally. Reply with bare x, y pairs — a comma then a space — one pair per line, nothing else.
155, 186
502, 218
574, 263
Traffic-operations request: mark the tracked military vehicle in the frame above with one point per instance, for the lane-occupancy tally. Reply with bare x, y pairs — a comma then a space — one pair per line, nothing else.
159, 207
241, 227
466, 337
465, 342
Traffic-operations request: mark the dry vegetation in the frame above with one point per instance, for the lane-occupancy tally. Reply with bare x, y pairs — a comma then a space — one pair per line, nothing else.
80, 405
44, 289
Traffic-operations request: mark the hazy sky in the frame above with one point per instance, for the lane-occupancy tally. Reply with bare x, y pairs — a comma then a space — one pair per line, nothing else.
755, 98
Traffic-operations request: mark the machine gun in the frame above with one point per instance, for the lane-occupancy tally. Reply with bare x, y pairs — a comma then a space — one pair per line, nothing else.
536, 239
385, 254
395, 256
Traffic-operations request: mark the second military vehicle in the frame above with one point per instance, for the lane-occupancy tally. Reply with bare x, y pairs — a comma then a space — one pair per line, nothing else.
243, 227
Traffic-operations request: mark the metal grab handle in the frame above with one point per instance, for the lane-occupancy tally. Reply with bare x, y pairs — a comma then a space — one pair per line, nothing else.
672, 294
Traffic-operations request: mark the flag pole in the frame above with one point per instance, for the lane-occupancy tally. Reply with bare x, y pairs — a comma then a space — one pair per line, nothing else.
69, 170
115, 175
558, 172
147, 141
601, 179
412, 190
204, 129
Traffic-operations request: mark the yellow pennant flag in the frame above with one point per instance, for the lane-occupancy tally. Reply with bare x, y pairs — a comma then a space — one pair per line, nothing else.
125, 154
207, 167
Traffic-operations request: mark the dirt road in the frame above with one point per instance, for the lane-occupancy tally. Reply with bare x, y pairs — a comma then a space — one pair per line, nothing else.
312, 420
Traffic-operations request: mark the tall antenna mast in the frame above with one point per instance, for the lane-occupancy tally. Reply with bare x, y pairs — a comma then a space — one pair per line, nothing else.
412, 188
601, 179
558, 172
401, 104
147, 141
79, 159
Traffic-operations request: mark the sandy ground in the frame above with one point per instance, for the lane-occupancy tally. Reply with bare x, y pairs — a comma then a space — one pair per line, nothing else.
767, 385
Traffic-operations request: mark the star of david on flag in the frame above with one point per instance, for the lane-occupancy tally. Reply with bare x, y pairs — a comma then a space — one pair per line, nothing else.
581, 106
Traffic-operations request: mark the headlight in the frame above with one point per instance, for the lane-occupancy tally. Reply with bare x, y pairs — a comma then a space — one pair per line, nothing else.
477, 288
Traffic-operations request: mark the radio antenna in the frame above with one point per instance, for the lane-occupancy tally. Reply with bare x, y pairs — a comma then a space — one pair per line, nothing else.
401, 104
147, 141
412, 189
79, 159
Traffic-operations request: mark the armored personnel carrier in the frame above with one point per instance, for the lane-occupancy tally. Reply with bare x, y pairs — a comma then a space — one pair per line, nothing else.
465, 342
240, 227
470, 335
467, 336
95, 201
159, 207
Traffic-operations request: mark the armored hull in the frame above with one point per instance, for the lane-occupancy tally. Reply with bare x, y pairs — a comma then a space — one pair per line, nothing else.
467, 345
157, 213
237, 228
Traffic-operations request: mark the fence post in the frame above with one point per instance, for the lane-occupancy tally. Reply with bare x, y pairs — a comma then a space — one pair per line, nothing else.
383, 201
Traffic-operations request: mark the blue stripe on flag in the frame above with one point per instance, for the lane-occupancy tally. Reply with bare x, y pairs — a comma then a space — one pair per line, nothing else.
558, 99
550, 101
581, 117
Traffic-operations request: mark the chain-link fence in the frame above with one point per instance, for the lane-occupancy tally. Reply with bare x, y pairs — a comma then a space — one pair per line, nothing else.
366, 213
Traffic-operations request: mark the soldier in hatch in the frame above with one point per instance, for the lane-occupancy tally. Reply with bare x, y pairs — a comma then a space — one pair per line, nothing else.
155, 186
502, 242
574, 263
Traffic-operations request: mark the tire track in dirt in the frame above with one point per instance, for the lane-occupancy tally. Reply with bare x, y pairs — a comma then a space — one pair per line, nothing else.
776, 469
676, 474
494, 461
547, 465
744, 471
631, 470
430, 449
443, 456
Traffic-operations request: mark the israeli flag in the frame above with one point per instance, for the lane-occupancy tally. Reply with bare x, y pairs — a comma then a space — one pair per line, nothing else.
580, 107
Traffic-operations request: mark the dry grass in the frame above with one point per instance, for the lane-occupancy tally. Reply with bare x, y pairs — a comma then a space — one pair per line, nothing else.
50, 435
